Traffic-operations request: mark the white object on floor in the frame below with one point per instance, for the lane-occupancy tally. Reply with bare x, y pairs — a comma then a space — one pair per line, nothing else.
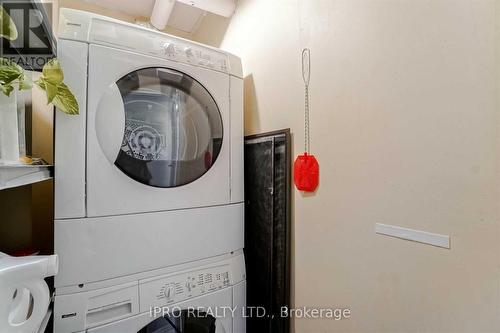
24, 295
45, 322
413, 235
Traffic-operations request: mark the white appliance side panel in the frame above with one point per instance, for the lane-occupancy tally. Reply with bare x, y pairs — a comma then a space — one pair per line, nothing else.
239, 302
236, 68
237, 177
95, 249
70, 134
217, 300
112, 192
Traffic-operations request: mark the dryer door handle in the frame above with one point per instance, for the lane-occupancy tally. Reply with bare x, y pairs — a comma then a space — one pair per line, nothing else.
110, 122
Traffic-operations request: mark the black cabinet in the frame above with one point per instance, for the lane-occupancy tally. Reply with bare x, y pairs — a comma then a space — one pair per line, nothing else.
267, 229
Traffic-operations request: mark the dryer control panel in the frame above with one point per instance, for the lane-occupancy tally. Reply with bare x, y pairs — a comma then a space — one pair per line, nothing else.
162, 291
175, 50
161, 45
158, 44
92, 28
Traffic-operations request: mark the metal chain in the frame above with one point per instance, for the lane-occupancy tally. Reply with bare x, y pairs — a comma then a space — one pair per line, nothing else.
306, 75
306, 120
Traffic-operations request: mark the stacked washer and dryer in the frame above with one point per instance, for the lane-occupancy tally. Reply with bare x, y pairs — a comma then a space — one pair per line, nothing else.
149, 182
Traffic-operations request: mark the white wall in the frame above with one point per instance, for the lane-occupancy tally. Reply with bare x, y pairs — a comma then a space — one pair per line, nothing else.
405, 126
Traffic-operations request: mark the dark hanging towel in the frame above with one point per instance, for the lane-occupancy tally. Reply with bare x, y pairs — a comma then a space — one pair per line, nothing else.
267, 230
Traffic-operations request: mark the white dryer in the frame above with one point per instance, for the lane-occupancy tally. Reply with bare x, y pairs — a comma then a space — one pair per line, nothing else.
162, 118
150, 174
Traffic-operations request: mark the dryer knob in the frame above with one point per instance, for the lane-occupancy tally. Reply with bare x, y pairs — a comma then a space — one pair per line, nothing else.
169, 293
189, 52
169, 49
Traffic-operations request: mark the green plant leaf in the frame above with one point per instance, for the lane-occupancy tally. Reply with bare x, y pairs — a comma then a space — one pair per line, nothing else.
51, 91
25, 83
65, 100
8, 29
6, 89
9, 73
58, 93
52, 72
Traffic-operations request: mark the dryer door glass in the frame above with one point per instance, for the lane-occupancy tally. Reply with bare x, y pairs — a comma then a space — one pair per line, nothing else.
173, 128
185, 321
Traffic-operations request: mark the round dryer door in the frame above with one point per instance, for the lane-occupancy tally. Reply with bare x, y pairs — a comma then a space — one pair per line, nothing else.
185, 321
172, 131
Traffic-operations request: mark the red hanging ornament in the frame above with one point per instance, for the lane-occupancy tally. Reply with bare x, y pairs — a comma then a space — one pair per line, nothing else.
306, 167
306, 173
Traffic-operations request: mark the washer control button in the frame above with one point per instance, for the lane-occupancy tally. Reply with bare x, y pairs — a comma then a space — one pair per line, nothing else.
225, 276
169, 292
168, 49
189, 52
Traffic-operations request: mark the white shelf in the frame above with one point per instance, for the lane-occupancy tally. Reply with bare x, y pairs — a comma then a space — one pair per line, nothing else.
20, 174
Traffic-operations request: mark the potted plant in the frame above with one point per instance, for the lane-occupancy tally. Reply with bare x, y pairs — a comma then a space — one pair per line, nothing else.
13, 78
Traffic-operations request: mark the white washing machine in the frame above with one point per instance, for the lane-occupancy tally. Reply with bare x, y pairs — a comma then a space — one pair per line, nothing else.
150, 174
201, 297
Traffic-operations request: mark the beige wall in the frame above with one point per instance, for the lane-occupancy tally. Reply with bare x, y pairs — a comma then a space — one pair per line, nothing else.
405, 126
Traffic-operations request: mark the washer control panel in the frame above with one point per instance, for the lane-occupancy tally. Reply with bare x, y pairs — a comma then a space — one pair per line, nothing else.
171, 289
